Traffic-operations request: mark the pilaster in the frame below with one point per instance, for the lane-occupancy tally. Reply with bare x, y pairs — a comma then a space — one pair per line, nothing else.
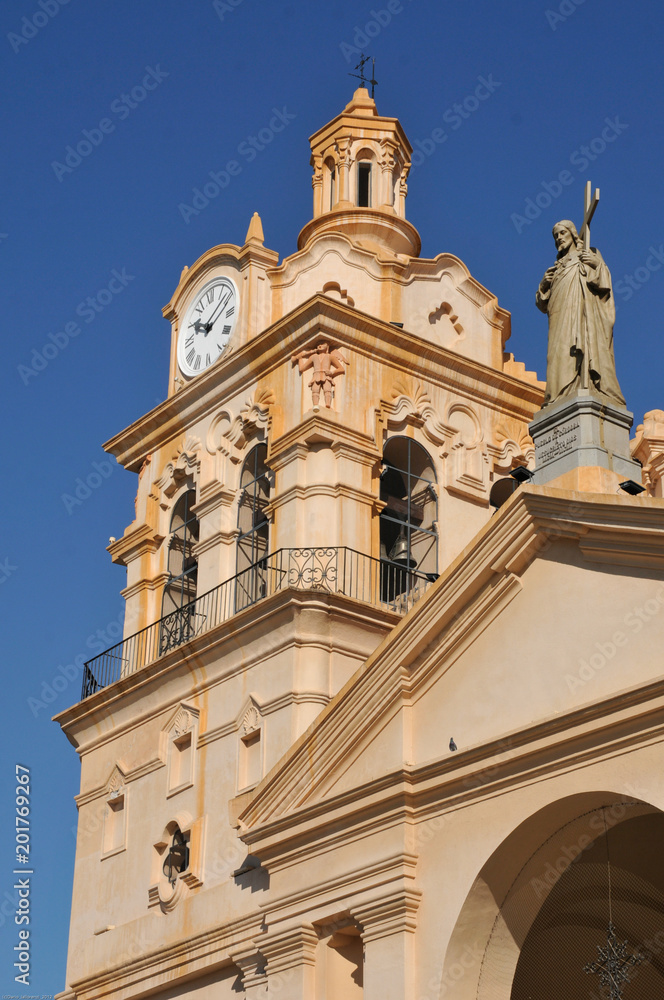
291, 962
324, 493
343, 146
387, 165
254, 977
317, 183
388, 925
136, 550
215, 550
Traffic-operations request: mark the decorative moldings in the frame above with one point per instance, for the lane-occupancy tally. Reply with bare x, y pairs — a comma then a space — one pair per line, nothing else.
83, 798
327, 364
229, 435
467, 462
251, 964
447, 322
317, 163
411, 402
161, 892
183, 722
114, 826
411, 398
334, 291
251, 745
166, 896
256, 411
459, 436
178, 748
146, 462
138, 540
116, 783
289, 949
251, 721
512, 445
388, 158
647, 447
387, 915
185, 463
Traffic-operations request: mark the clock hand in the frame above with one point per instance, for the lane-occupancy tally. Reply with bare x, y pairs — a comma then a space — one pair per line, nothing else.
216, 312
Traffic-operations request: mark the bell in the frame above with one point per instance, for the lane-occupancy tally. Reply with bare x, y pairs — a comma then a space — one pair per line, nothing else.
399, 552
177, 859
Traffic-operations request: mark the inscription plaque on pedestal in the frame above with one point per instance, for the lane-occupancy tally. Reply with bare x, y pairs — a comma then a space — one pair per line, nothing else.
582, 430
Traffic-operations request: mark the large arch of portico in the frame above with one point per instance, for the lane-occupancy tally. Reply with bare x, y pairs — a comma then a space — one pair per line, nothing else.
540, 904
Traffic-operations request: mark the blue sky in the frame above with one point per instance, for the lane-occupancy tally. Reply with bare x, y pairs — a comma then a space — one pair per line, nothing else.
168, 92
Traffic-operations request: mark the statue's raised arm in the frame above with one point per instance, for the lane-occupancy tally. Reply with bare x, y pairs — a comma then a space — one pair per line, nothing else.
576, 294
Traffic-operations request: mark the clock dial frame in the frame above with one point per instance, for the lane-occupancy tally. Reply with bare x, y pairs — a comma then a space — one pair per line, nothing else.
208, 326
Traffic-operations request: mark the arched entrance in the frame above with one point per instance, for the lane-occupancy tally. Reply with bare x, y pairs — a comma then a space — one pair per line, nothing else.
541, 906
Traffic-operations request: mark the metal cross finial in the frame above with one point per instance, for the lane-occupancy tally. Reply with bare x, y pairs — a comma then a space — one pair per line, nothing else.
613, 964
361, 76
589, 206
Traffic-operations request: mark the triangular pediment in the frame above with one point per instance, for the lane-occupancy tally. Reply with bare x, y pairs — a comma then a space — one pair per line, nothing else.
535, 622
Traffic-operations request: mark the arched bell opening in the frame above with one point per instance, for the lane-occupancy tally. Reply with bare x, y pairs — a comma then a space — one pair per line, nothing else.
179, 621
365, 179
182, 565
253, 528
408, 521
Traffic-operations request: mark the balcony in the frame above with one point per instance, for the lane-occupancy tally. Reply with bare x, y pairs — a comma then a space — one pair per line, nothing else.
329, 570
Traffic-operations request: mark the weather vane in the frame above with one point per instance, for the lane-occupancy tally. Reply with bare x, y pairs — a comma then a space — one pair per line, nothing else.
362, 77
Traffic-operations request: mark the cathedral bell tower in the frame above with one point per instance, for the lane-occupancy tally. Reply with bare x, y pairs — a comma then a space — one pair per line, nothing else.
361, 163
333, 425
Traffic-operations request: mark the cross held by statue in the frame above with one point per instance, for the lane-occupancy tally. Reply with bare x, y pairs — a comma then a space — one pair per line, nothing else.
589, 206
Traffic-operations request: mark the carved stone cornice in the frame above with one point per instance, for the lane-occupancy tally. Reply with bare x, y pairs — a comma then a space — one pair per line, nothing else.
212, 496
290, 948
323, 428
136, 542
215, 539
321, 489
190, 954
388, 915
152, 583
352, 329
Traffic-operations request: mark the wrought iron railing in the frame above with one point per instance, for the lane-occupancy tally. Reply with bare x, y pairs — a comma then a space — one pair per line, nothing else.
336, 570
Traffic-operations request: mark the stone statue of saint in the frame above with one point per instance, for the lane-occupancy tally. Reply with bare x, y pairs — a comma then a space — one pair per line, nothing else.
576, 294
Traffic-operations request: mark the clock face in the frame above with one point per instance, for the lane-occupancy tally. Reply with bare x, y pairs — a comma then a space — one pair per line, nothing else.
208, 326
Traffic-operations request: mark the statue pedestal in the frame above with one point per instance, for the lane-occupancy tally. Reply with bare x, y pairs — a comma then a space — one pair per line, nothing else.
586, 432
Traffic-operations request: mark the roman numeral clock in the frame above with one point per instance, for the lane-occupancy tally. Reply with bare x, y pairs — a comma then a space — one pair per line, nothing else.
208, 326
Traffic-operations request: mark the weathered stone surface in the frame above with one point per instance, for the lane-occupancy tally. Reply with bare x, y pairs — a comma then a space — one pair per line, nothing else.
582, 431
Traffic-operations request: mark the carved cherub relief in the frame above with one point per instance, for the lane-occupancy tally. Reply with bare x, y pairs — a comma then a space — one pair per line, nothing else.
327, 365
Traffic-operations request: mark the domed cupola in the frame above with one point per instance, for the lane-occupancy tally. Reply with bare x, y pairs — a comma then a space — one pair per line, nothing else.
361, 162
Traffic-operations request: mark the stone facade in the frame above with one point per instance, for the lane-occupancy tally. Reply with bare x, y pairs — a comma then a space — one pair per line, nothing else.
320, 598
